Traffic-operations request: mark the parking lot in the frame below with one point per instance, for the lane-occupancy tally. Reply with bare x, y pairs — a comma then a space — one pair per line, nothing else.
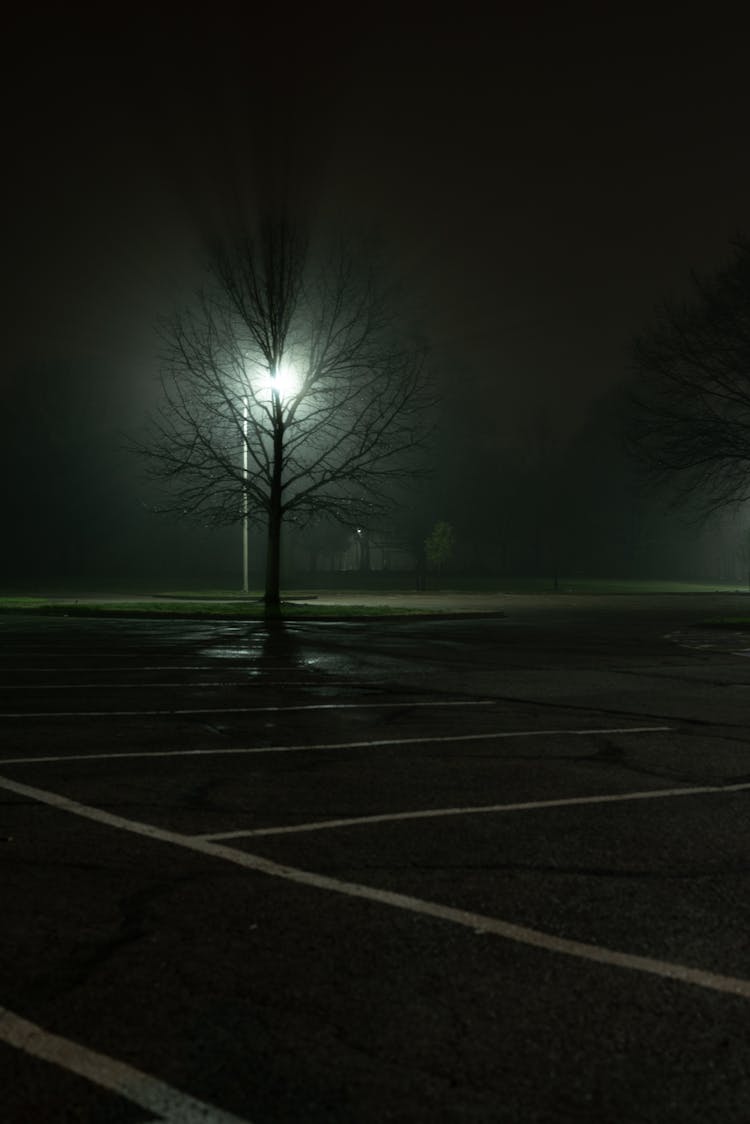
484, 869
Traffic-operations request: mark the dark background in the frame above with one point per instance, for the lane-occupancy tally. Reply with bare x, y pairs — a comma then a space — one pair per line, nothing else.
542, 179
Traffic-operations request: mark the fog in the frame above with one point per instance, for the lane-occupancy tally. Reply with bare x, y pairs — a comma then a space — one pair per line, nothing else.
537, 503
536, 199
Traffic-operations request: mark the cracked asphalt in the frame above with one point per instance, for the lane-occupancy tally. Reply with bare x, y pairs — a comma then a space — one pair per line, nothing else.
573, 769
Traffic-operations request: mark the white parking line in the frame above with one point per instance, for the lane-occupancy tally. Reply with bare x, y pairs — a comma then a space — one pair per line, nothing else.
477, 809
478, 922
374, 743
241, 709
131, 1084
181, 684
157, 667
223, 664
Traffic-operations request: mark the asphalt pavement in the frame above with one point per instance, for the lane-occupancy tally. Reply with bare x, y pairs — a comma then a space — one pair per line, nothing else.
490, 869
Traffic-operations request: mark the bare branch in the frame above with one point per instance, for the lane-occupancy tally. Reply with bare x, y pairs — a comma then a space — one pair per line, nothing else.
354, 425
691, 398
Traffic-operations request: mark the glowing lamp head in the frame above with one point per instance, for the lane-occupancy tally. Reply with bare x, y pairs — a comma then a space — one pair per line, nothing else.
285, 382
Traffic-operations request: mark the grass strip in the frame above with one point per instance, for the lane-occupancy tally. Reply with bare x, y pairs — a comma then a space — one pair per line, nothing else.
215, 610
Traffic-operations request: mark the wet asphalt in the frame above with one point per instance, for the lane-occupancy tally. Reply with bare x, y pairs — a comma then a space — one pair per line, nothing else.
277, 998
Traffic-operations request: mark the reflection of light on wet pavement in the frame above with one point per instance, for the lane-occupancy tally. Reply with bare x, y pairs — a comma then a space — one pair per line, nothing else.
254, 660
716, 640
248, 654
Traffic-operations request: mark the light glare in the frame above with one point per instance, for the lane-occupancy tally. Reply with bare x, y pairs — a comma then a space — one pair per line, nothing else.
285, 382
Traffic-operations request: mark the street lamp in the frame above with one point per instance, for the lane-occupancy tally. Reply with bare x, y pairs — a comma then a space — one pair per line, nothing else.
284, 382
245, 504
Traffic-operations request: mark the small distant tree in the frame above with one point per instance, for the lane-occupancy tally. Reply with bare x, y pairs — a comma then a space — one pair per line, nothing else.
292, 391
439, 545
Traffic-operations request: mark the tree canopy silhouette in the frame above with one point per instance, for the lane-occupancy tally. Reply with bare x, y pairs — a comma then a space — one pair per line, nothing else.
691, 399
291, 390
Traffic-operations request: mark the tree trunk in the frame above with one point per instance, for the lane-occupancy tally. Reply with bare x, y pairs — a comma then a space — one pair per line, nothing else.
273, 564
275, 515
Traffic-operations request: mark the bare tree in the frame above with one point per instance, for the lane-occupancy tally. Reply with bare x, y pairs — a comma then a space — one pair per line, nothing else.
439, 544
291, 391
691, 421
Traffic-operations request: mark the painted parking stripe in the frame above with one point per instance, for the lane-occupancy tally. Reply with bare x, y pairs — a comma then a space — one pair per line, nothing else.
479, 923
169, 1104
159, 667
205, 685
375, 743
479, 809
167, 667
242, 709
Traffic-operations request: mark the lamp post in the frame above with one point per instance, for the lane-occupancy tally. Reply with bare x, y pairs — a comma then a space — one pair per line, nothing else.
245, 505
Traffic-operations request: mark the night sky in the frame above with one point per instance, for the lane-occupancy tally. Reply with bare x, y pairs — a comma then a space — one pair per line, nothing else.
543, 181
